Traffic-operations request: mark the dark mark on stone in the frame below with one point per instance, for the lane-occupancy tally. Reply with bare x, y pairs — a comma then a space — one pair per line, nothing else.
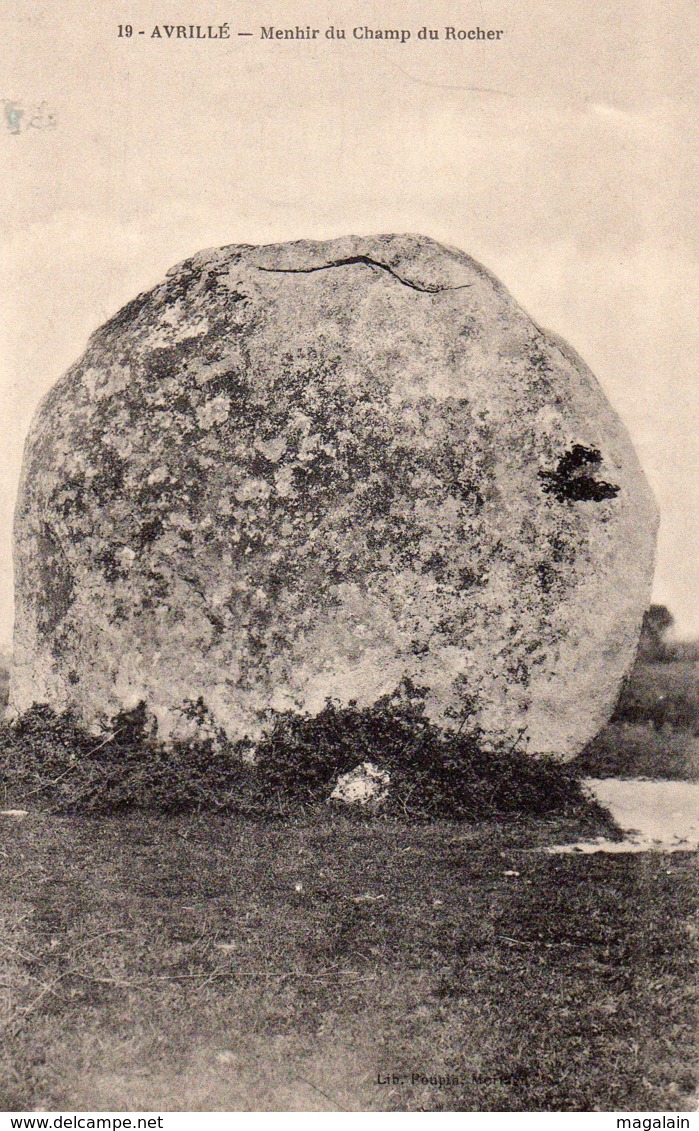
367, 262
569, 482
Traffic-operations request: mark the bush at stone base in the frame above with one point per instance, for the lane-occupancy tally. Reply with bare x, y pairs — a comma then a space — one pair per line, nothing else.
434, 773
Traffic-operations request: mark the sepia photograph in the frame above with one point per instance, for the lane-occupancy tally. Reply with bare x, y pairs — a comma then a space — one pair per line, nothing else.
349, 550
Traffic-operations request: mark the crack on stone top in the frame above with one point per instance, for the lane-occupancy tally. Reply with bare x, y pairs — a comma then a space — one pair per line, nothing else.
366, 261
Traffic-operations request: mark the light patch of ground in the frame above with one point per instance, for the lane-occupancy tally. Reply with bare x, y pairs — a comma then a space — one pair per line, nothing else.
661, 816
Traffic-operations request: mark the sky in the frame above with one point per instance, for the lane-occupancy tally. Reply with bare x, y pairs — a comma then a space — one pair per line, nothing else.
562, 156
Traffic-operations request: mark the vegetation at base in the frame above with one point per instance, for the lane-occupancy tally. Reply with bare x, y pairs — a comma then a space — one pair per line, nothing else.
654, 732
434, 773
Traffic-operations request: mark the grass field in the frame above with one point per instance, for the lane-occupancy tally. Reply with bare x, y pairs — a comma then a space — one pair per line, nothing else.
654, 731
209, 962
197, 963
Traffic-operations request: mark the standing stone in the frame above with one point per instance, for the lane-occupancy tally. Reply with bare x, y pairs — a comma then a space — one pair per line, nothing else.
314, 469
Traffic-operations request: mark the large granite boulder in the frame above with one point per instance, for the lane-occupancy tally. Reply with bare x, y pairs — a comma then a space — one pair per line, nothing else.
314, 469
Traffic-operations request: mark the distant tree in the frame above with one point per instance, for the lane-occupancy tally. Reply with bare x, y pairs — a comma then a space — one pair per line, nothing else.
656, 621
